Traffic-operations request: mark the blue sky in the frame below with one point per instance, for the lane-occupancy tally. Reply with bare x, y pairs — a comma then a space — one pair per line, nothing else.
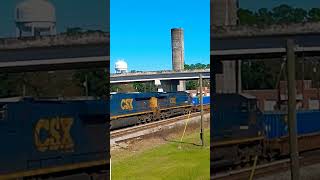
88, 14
140, 32
307, 4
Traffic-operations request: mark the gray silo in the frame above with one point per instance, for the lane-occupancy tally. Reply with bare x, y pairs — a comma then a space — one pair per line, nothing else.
224, 12
177, 44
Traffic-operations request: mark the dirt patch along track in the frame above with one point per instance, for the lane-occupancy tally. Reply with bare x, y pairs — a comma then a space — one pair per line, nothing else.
152, 139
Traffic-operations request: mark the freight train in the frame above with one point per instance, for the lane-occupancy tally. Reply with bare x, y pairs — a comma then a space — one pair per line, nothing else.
50, 138
239, 132
128, 109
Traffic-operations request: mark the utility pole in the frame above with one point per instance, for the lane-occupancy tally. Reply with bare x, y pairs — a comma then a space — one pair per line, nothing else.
292, 110
303, 104
24, 89
201, 112
86, 86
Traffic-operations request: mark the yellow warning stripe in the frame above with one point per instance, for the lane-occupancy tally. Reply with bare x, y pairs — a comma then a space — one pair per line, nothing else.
43, 171
237, 141
145, 112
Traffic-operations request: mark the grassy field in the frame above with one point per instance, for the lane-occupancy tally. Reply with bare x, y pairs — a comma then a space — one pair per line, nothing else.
167, 161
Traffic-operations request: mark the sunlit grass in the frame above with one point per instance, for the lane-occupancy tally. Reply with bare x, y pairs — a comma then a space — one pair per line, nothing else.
172, 160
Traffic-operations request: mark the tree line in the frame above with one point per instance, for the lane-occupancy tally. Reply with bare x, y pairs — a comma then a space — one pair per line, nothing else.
67, 83
278, 15
264, 75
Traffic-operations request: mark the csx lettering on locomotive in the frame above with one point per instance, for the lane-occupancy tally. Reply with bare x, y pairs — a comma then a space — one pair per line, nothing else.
57, 134
126, 104
173, 100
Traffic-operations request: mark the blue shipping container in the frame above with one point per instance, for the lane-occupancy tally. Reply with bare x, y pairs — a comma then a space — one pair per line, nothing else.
276, 125
196, 100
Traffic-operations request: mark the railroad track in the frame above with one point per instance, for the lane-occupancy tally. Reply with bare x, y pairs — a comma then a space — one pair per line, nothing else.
262, 170
134, 129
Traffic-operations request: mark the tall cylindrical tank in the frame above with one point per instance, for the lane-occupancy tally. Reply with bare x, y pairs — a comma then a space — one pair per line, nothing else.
177, 42
224, 12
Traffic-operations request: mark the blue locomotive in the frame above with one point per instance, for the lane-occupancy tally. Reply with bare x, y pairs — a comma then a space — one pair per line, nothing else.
240, 131
127, 109
50, 137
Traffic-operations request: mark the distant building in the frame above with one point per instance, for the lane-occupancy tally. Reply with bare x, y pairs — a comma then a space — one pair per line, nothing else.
121, 67
35, 18
307, 97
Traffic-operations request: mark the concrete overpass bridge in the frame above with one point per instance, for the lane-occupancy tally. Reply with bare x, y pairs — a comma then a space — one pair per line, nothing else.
234, 43
54, 53
169, 79
230, 45
159, 75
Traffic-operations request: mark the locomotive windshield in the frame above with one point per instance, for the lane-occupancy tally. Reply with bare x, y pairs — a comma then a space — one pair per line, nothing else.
3, 112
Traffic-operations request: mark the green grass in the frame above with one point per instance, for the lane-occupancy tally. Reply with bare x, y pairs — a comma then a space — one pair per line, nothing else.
167, 161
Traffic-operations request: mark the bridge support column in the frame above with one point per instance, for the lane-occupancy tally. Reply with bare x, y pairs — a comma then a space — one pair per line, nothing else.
238, 77
181, 86
229, 77
170, 86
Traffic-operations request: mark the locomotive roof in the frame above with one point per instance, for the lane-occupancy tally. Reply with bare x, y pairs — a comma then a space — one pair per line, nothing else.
21, 98
147, 92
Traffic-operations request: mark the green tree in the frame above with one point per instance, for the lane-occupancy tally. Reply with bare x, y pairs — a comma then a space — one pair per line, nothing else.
144, 87
283, 14
256, 75
193, 84
278, 15
196, 66
314, 14
264, 17
9, 84
115, 88
300, 15
97, 81
247, 17
74, 31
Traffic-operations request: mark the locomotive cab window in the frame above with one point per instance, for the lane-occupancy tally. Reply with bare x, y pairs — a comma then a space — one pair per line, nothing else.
244, 107
142, 98
252, 106
3, 112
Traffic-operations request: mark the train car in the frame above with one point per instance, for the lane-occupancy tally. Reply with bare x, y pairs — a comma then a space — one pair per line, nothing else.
47, 138
276, 132
196, 100
127, 109
236, 133
196, 103
240, 132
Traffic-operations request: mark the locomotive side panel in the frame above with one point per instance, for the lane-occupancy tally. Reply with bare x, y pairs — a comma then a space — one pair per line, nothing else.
133, 108
234, 116
57, 136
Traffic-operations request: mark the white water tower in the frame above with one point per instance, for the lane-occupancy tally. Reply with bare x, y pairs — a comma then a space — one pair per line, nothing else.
35, 18
121, 67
